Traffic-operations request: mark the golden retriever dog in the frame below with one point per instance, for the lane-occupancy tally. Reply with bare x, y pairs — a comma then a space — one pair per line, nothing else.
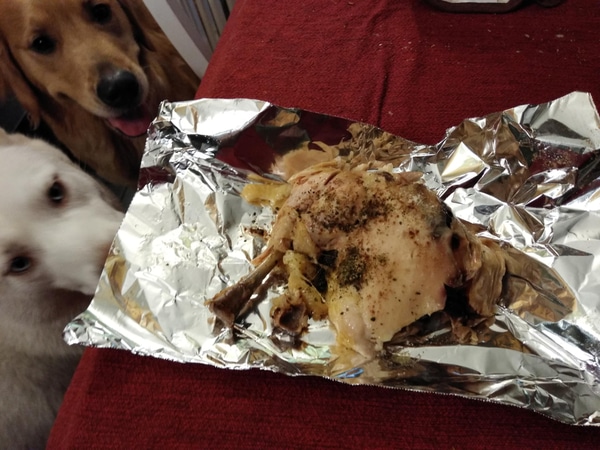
56, 227
95, 71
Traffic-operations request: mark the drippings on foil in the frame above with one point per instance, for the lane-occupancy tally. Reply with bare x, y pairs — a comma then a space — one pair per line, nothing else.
527, 177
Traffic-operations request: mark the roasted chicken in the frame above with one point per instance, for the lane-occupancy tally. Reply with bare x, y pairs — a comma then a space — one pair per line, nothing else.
369, 249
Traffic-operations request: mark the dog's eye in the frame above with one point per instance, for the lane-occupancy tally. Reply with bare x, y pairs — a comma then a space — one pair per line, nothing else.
20, 264
56, 192
43, 45
101, 13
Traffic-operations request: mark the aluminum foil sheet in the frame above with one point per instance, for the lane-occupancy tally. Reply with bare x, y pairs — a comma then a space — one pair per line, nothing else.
528, 177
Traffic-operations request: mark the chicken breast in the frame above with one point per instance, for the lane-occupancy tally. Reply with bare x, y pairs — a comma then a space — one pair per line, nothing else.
372, 250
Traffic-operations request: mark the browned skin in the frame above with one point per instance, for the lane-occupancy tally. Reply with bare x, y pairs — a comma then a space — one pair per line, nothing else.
60, 87
227, 304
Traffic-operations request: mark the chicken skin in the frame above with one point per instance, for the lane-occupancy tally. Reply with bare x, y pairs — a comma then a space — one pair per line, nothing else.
371, 250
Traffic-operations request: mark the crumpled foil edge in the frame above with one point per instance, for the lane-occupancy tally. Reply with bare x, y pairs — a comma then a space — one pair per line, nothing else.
183, 239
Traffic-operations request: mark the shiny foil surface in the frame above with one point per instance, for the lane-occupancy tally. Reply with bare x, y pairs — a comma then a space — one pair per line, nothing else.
528, 177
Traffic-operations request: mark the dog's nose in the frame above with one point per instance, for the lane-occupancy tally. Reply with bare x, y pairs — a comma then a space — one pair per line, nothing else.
119, 89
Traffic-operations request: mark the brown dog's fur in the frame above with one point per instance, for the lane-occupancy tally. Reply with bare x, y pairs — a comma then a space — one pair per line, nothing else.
55, 54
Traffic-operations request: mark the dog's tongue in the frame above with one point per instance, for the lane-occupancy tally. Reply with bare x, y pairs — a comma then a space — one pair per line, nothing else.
132, 125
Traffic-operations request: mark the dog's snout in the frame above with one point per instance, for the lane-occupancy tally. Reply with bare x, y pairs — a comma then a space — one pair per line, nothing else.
119, 89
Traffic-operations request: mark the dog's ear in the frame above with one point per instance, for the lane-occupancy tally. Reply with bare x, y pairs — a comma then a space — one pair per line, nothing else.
160, 58
144, 26
3, 135
12, 81
7, 138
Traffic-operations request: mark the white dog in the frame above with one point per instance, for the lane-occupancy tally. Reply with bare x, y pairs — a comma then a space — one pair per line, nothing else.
56, 227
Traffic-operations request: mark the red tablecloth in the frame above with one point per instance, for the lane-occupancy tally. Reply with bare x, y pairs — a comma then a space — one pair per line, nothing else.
414, 71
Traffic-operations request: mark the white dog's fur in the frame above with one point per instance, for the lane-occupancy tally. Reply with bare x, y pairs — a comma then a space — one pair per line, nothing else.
56, 227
